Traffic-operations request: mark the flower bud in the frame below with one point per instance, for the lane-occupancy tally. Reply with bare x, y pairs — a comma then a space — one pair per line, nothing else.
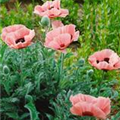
45, 21
81, 62
90, 72
6, 69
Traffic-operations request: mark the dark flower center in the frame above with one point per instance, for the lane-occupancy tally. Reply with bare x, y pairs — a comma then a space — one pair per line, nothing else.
52, 8
22, 40
87, 113
97, 61
62, 45
71, 36
52, 14
105, 59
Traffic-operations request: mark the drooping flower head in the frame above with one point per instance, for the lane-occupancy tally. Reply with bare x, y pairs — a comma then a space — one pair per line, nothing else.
61, 37
86, 105
105, 60
51, 9
17, 36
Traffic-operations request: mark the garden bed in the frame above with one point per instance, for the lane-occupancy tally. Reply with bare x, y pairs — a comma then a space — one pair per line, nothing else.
60, 66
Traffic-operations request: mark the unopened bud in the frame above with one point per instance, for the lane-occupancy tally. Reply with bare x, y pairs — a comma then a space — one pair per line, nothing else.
6, 69
81, 62
90, 72
45, 21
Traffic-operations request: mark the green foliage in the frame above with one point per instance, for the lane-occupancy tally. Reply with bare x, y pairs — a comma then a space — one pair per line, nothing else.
100, 25
18, 16
2, 1
43, 78
31, 107
116, 117
35, 75
74, 13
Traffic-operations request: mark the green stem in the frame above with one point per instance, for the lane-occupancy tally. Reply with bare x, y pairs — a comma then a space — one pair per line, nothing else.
21, 66
62, 61
60, 73
100, 82
47, 29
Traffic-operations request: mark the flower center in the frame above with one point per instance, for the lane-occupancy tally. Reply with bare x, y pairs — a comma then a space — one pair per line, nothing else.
22, 40
87, 113
62, 45
51, 14
97, 61
53, 7
107, 60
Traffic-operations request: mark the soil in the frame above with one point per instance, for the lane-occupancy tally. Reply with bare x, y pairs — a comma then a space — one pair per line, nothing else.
43, 106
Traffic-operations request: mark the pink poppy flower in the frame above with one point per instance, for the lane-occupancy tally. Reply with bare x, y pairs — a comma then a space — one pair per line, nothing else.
105, 60
56, 24
117, 65
61, 37
51, 9
86, 105
17, 36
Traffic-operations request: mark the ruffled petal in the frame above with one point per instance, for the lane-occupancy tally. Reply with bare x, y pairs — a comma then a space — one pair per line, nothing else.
80, 98
64, 12
54, 12
103, 104
30, 36
86, 109
56, 4
76, 35
17, 36
38, 9
56, 24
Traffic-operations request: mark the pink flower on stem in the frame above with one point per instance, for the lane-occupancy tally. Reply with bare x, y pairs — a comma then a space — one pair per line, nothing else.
51, 9
17, 36
86, 105
61, 37
105, 60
